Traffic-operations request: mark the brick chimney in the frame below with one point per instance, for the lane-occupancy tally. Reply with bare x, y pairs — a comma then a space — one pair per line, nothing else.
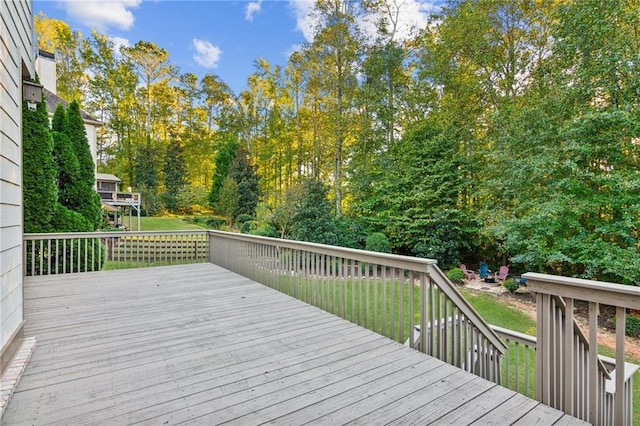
46, 69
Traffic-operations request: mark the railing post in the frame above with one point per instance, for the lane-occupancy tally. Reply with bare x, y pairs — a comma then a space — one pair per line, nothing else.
568, 356
620, 365
602, 396
593, 363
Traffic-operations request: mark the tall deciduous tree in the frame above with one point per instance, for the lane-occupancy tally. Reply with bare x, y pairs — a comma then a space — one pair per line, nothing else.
55, 36
152, 65
147, 178
337, 46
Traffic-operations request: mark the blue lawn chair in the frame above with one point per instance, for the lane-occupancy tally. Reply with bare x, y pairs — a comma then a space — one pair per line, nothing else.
484, 270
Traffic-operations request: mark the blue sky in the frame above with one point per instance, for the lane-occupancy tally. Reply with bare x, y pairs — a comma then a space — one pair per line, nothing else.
220, 37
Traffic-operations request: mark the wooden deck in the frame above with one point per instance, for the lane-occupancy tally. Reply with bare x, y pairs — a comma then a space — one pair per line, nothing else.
198, 344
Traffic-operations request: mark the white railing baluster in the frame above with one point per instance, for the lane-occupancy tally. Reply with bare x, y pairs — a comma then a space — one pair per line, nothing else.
62, 253
620, 363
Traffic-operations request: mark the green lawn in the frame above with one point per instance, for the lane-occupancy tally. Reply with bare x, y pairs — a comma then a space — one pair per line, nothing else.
495, 311
174, 223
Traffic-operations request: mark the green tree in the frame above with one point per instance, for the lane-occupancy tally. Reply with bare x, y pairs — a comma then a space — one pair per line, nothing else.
64, 156
227, 203
224, 156
571, 152
152, 65
312, 218
88, 201
39, 172
113, 101
243, 173
55, 36
147, 179
174, 175
59, 121
337, 46
418, 202
67, 170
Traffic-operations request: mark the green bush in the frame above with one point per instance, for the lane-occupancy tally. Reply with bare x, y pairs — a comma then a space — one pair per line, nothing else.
66, 220
511, 285
242, 218
378, 242
632, 327
456, 275
264, 230
246, 227
215, 222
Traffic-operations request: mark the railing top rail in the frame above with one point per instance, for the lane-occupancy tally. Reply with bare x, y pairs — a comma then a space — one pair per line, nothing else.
626, 296
99, 234
445, 285
383, 259
407, 263
514, 335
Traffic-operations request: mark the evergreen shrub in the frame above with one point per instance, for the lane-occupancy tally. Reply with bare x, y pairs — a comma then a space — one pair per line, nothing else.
456, 276
378, 242
511, 285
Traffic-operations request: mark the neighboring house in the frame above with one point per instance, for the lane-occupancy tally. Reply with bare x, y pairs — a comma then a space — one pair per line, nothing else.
114, 201
16, 65
45, 64
106, 183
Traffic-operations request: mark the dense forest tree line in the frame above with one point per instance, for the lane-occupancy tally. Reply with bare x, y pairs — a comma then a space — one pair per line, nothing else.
502, 131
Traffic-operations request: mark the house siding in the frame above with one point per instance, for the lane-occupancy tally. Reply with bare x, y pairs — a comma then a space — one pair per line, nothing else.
16, 63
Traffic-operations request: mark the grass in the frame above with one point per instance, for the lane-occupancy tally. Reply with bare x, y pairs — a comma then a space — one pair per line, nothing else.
167, 223
495, 311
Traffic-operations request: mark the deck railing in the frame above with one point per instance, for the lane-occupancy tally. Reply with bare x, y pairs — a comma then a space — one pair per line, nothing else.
62, 253
570, 375
518, 360
393, 295
399, 297
120, 198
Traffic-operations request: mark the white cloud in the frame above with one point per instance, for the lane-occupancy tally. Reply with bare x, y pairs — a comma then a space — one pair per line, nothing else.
252, 8
207, 55
118, 43
103, 14
306, 22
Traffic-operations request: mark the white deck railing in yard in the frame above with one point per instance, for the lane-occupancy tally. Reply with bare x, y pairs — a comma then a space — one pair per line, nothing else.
386, 293
62, 253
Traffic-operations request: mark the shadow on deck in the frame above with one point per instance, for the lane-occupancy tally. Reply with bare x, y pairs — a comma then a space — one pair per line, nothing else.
199, 344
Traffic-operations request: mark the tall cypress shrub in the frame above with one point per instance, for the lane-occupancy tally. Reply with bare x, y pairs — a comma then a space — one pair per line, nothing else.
67, 166
88, 202
59, 121
39, 172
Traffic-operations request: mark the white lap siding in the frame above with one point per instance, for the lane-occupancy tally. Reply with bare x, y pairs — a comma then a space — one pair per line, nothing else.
16, 63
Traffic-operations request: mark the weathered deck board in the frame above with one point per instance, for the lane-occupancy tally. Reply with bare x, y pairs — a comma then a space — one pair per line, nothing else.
198, 344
